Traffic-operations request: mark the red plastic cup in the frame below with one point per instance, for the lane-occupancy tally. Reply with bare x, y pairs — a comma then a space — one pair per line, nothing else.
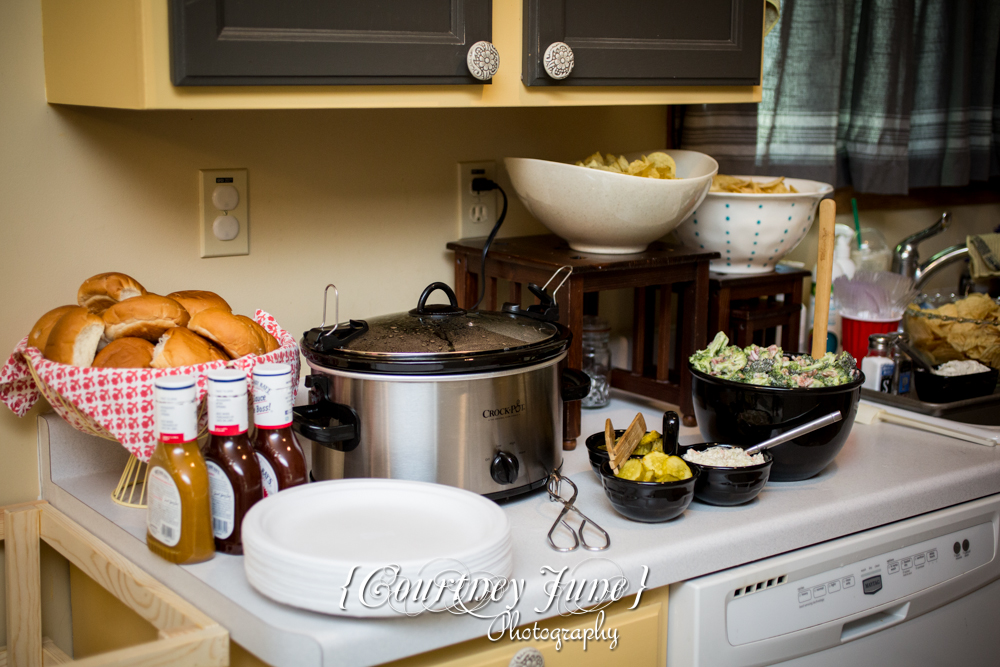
854, 334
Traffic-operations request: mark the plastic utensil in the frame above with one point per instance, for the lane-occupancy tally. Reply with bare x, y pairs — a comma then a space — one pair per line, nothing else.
869, 414
808, 427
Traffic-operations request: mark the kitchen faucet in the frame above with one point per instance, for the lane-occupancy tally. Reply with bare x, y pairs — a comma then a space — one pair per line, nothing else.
906, 258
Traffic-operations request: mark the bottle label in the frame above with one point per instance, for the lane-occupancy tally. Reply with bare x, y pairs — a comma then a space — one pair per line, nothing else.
163, 502
227, 408
223, 501
269, 481
176, 415
885, 377
272, 400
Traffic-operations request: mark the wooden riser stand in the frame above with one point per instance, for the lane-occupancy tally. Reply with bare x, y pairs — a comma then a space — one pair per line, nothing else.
188, 638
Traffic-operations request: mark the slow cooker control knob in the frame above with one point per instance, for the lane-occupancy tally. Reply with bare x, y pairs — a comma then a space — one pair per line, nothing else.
504, 468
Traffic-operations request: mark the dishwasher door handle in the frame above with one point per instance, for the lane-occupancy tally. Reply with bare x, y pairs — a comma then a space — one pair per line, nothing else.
880, 620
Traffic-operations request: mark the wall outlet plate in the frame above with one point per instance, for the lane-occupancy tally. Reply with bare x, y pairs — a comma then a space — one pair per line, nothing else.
212, 244
477, 212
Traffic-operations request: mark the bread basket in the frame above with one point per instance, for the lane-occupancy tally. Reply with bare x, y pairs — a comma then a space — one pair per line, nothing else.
117, 403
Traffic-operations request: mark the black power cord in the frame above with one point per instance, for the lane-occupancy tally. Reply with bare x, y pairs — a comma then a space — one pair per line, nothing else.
481, 184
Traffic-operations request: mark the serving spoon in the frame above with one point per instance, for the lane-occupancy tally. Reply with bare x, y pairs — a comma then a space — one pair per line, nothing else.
808, 427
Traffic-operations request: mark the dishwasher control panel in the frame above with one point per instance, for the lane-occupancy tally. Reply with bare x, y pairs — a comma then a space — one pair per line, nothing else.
856, 587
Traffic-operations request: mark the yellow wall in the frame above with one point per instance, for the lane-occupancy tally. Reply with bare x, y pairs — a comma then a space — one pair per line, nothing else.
362, 198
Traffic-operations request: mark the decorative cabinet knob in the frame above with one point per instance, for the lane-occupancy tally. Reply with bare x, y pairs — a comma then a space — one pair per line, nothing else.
558, 60
528, 657
483, 60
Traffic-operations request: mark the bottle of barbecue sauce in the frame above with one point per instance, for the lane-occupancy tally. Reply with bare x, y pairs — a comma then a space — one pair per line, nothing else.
233, 472
179, 515
282, 463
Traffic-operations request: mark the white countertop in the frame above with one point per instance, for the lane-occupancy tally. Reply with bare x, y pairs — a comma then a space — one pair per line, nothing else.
885, 473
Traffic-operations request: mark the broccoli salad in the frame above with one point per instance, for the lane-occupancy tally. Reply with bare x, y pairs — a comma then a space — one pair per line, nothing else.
769, 367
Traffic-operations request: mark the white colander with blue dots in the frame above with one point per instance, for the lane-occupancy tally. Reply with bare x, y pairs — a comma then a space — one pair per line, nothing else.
753, 232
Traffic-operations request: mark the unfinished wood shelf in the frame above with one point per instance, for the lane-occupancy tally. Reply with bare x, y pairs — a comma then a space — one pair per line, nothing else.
187, 637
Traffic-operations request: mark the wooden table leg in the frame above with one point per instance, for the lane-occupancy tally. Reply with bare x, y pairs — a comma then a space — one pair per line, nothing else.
572, 316
639, 330
694, 336
514, 293
466, 282
22, 528
663, 333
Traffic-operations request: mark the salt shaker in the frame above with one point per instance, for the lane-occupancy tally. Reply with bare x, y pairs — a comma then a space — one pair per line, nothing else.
878, 366
597, 361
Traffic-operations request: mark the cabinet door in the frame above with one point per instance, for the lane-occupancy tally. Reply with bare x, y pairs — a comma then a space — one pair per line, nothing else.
645, 42
317, 42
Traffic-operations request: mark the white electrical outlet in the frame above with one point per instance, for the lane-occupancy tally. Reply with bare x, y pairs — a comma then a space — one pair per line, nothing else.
477, 212
225, 212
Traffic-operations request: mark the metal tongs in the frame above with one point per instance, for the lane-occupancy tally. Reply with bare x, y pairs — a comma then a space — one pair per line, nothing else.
554, 488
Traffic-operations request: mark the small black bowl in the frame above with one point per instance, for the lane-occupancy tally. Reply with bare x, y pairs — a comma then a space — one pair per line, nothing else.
649, 502
744, 414
933, 388
671, 427
728, 486
599, 456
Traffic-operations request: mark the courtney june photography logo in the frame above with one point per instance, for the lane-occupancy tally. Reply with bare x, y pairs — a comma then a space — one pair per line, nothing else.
508, 606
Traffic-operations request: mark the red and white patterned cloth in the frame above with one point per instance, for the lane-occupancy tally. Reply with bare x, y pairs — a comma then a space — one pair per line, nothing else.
120, 400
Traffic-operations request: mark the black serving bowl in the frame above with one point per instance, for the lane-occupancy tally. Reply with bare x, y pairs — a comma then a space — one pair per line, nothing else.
933, 388
744, 415
671, 427
599, 456
727, 486
649, 502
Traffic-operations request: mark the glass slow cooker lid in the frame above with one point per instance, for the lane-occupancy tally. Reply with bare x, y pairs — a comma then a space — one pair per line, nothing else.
436, 337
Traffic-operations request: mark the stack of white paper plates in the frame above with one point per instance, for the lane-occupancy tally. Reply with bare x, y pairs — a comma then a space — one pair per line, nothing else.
375, 547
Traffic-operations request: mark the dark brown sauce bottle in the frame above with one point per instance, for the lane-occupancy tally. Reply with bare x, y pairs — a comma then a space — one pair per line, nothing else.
282, 462
233, 471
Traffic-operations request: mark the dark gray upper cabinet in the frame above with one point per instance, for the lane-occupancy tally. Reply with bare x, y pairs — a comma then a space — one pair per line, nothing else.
644, 42
297, 42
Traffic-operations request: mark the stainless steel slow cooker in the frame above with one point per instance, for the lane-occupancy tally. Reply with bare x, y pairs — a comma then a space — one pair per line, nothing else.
471, 399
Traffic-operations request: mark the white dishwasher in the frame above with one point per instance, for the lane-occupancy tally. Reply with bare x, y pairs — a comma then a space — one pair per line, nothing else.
918, 592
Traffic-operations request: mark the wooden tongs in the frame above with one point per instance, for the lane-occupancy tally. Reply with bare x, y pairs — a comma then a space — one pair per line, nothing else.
619, 452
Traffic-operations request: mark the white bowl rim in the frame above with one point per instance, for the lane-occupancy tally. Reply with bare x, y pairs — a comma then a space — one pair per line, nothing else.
668, 151
824, 189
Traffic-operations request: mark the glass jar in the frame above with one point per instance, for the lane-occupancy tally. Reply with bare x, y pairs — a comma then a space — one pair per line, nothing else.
597, 361
903, 372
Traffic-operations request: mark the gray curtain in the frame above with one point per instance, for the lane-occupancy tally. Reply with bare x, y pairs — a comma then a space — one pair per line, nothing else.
884, 95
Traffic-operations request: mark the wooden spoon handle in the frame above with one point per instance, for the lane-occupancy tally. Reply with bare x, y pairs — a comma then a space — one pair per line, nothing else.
824, 275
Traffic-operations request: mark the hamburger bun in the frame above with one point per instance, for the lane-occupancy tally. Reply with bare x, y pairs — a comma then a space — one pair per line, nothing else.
39, 333
268, 342
146, 316
125, 353
183, 347
195, 301
228, 331
104, 290
74, 338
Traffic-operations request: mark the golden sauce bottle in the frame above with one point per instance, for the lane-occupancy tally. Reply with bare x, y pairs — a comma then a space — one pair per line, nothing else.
179, 514
233, 471
282, 463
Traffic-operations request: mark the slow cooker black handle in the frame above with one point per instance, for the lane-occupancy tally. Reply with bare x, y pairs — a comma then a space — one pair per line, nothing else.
437, 309
332, 425
575, 385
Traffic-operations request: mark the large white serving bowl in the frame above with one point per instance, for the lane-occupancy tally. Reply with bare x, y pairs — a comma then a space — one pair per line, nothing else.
603, 212
753, 232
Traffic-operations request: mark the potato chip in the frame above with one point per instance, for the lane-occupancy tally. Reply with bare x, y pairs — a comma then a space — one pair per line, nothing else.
654, 165
975, 306
724, 183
